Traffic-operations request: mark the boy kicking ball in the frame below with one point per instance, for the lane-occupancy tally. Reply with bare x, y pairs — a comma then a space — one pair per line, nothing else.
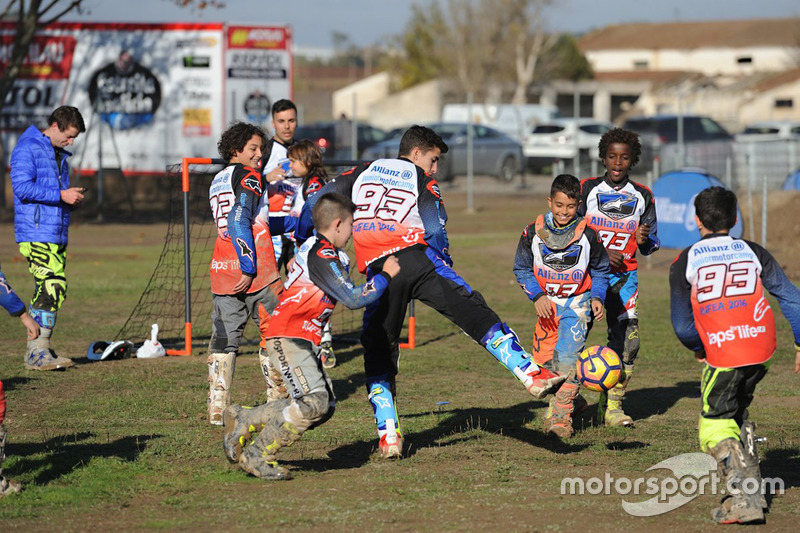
318, 279
720, 312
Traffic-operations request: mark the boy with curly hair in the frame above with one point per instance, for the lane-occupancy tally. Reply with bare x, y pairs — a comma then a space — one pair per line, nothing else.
623, 213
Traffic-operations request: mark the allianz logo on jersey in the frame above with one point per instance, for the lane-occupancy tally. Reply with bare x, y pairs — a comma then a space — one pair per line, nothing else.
560, 260
732, 333
617, 205
405, 174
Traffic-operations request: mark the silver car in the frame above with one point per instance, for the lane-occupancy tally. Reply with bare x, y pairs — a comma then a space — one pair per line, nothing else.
494, 153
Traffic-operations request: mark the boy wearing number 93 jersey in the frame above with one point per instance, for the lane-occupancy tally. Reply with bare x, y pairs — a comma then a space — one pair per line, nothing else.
720, 312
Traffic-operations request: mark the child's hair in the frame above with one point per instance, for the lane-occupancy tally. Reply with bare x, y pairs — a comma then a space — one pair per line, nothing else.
66, 116
568, 184
235, 138
423, 138
329, 207
621, 136
310, 155
716, 208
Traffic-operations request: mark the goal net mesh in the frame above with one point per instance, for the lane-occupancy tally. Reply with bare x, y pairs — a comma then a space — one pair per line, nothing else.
163, 301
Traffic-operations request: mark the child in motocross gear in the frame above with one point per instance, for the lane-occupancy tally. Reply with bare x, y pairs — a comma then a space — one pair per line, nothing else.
11, 303
400, 211
282, 186
720, 312
305, 162
623, 213
563, 269
244, 278
318, 279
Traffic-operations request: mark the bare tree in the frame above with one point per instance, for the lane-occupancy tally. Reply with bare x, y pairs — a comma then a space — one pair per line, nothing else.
526, 29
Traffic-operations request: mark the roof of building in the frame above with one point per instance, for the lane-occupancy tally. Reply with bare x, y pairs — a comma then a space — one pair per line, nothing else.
778, 80
692, 35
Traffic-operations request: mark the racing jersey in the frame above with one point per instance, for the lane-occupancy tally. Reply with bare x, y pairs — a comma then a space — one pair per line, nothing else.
718, 302
397, 206
9, 299
577, 264
244, 243
318, 279
615, 211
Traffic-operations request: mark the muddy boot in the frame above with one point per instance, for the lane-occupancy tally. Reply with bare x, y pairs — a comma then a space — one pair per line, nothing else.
243, 424
737, 507
260, 458
276, 388
220, 379
749, 440
40, 357
559, 414
609, 408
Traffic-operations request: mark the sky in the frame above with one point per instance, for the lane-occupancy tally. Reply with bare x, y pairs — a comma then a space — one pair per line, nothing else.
368, 22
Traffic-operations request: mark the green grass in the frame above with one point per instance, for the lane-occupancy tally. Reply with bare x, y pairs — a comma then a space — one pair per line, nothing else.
124, 445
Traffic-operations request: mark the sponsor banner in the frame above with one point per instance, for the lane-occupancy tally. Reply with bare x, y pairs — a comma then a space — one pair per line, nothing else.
674, 194
150, 94
258, 69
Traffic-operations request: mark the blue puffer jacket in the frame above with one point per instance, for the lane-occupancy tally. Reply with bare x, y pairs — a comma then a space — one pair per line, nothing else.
39, 213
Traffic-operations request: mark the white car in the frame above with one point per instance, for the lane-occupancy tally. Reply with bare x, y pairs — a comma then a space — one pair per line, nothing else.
563, 138
772, 130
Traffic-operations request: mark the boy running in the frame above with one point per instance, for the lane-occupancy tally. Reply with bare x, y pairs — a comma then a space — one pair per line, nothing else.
623, 213
563, 268
720, 312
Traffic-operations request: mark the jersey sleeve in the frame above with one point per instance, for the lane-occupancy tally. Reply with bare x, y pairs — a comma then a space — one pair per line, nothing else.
342, 184
523, 266
778, 285
434, 217
680, 303
599, 267
649, 217
312, 186
329, 274
9, 299
586, 186
247, 189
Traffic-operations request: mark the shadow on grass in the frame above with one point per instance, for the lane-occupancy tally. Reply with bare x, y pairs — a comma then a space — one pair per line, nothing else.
455, 426
65, 453
782, 463
644, 403
12, 383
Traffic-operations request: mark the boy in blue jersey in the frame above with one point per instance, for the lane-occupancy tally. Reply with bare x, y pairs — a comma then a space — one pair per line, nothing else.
563, 269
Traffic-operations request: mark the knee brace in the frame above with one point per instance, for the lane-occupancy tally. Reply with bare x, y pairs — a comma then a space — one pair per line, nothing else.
50, 294
309, 410
45, 319
623, 338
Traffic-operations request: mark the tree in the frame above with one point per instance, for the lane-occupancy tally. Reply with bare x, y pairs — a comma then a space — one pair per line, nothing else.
488, 46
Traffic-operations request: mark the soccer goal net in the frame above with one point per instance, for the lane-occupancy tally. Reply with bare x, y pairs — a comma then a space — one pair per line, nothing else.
178, 295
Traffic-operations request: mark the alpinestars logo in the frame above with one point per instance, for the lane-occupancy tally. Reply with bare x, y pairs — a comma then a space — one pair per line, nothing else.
245, 249
560, 260
617, 205
252, 181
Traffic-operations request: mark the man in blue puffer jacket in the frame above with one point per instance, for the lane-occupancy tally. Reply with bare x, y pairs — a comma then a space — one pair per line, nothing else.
43, 201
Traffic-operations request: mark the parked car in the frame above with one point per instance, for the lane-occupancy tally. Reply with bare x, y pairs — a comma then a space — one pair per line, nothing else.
773, 130
494, 153
324, 135
706, 144
563, 138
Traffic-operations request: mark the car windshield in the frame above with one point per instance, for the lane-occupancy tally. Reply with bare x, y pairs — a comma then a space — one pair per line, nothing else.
548, 128
762, 130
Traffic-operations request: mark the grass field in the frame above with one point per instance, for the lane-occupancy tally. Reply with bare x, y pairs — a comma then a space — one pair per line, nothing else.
124, 445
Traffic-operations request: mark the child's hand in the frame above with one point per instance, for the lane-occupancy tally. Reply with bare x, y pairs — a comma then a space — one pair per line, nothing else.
797, 362
391, 266
615, 258
700, 355
243, 284
276, 174
597, 310
31, 325
544, 307
642, 233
